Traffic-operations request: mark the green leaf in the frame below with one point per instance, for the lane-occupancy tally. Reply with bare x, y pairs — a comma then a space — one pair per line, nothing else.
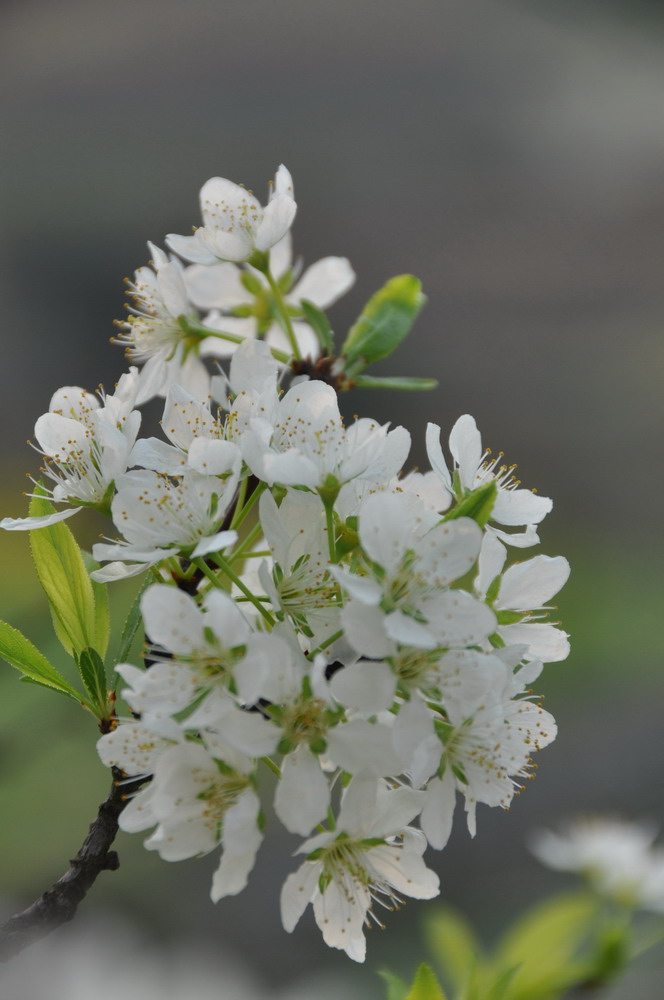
102, 612
425, 986
317, 319
384, 322
544, 944
21, 654
478, 505
501, 988
131, 625
65, 580
453, 942
93, 675
402, 383
396, 988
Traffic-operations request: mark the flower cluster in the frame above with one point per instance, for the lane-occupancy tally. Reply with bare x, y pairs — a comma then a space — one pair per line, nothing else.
312, 609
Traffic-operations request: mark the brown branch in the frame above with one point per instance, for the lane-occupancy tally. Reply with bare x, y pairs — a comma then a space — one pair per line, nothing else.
58, 904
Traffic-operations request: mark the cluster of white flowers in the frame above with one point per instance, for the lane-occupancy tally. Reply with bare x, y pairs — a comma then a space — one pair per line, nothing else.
312, 609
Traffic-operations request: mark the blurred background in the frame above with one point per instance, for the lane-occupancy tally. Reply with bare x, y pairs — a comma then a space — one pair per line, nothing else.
510, 154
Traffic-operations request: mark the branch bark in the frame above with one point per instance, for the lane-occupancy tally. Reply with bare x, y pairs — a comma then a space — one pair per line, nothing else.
58, 904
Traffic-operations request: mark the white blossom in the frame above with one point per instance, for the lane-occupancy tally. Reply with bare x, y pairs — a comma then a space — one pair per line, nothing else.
373, 857
234, 222
473, 467
160, 518
86, 444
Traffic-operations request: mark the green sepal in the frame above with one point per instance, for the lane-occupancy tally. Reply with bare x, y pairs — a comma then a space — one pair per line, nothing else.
396, 988
64, 578
508, 617
384, 322
324, 879
253, 285
20, 653
478, 505
93, 674
319, 322
318, 745
493, 589
425, 986
402, 383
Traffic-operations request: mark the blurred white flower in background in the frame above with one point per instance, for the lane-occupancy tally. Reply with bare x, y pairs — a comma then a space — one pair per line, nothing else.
616, 856
107, 961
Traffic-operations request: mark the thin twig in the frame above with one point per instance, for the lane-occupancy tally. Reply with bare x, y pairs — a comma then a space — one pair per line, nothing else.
58, 904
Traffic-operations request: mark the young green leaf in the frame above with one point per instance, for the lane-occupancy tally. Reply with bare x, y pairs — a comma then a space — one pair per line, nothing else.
131, 625
318, 321
425, 986
102, 614
93, 675
21, 654
544, 944
478, 505
384, 322
401, 383
456, 949
396, 988
65, 580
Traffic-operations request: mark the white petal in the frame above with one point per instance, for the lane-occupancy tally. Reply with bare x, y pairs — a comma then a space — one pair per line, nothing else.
529, 585
438, 813
364, 746
214, 543
303, 794
297, 892
213, 457
324, 282
490, 563
435, 453
364, 588
516, 507
466, 448
217, 286
365, 630
545, 642
152, 453
30, 523
365, 686
190, 248
172, 619
405, 630
340, 912
241, 839
277, 220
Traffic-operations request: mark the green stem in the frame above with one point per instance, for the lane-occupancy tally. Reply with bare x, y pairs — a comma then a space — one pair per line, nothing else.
209, 573
224, 565
285, 318
240, 551
273, 767
328, 642
239, 501
329, 520
199, 330
241, 514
